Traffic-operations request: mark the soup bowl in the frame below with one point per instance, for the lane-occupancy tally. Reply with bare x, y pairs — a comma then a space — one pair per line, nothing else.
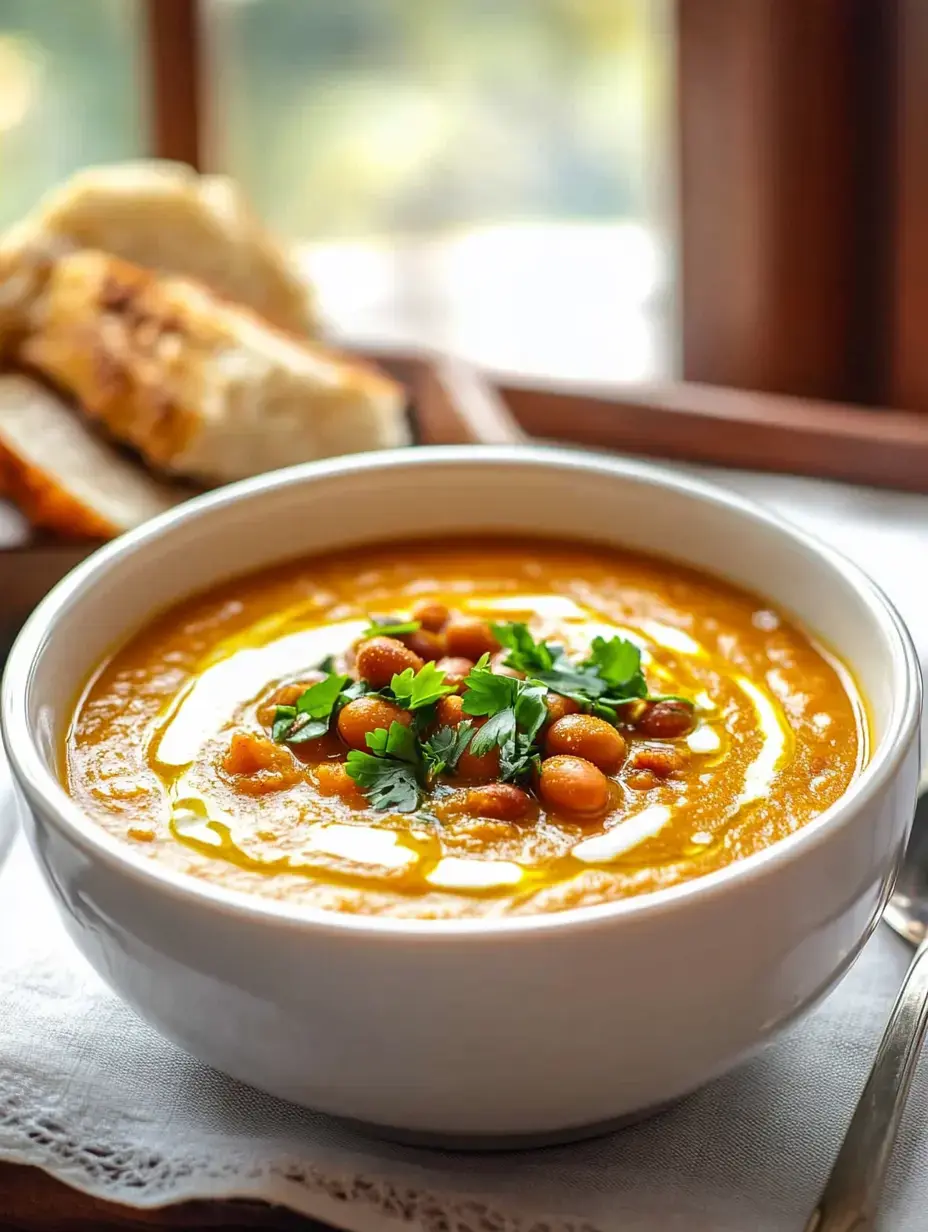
496, 1030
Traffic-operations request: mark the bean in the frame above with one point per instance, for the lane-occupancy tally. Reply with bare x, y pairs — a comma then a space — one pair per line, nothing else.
558, 706
469, 637
367, 714
381, 658
455, 669
431, 615
501, 801
428, 646
450, 711
582, 735
666, 720
482, 769
573, 784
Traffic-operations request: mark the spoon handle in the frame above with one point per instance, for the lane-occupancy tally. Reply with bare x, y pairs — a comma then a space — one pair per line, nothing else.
849, 1199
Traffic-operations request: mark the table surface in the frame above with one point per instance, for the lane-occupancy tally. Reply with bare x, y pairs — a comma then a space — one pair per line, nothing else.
885, 532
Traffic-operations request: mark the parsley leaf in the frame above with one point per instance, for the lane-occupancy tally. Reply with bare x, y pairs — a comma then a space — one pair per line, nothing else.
618, 663
518, 757
485, 692
443, 750
318, 699
389, 773
390, 627
525, 654
389, 784
283, 721
309, 718
399, 741
311, 729
413, 690
497, 730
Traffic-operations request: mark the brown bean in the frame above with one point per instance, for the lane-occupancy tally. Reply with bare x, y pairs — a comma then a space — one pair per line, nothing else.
469, 637
431, 615
482, 769
666, 720
332, 779
381, 658
584, 736
286, 695
501, 801
449, 711
455, 669
428, 646
558, 706
573, 784
367, 714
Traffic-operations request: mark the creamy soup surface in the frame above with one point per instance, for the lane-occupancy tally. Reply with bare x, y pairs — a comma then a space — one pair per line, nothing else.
456, 729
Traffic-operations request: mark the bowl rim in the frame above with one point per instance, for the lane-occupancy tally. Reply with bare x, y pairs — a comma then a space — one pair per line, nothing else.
49, 799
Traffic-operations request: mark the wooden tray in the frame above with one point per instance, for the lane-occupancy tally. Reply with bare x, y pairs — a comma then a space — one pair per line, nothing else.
449, 403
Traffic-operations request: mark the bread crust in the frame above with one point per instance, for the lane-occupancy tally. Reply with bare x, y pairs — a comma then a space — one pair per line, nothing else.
61, 477
201, 387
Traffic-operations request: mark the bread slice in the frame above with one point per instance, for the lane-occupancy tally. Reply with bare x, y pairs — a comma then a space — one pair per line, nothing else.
200, 387
61, 477
163, 216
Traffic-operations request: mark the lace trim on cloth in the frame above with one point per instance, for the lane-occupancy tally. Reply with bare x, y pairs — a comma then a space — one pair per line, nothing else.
121, 1174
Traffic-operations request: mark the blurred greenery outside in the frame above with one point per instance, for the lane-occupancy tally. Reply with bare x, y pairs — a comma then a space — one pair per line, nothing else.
455, 167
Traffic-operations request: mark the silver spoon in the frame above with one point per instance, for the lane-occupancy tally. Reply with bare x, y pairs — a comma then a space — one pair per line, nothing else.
852, 1191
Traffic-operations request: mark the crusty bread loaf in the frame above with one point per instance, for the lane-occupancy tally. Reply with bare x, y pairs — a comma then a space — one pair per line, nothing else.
162, 216
201, 387
61, 476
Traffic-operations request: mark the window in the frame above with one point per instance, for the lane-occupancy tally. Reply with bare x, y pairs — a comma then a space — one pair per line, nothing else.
69, 93
490, 177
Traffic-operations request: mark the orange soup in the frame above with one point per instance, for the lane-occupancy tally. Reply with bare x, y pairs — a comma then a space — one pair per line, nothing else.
464, 728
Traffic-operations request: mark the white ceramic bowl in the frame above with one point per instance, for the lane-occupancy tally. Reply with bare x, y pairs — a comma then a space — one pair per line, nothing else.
466, 1028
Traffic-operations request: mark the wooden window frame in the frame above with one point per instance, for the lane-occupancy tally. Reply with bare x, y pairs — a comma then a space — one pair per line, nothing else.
803, 181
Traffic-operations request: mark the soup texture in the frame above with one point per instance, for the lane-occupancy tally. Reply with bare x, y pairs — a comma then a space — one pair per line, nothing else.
464, 729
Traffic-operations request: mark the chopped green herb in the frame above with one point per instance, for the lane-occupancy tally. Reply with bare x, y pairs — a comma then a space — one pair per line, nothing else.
309, 718
283, 721
399, 741
485, 692
319, 699
518, 757
391, 628
389, 773
525, 654
308, 729
497, 730
390, 785
443, 751
618, 663
413, 690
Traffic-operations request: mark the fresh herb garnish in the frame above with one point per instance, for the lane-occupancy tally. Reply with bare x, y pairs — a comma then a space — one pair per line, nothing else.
525, 654
308, 718
515, 711
443, 751
618, 663
396, 741
413, 690
391, 627
389, 774
389, 784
